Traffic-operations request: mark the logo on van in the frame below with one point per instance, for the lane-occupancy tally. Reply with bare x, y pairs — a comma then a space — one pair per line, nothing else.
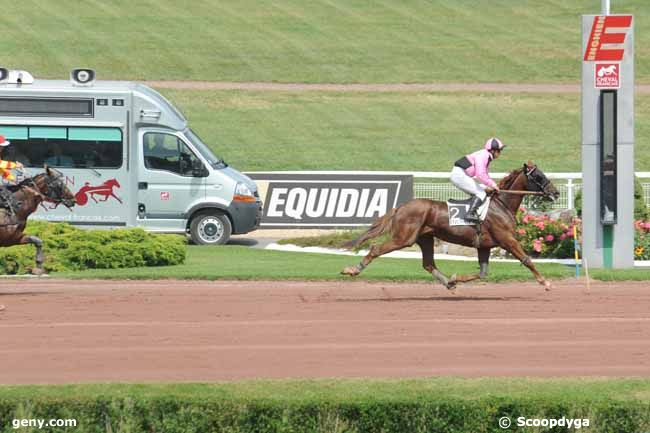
105, 191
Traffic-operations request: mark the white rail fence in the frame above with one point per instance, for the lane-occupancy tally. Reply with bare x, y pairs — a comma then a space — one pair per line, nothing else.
568, 185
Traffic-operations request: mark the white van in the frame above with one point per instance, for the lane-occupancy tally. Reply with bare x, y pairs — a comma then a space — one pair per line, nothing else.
127, 154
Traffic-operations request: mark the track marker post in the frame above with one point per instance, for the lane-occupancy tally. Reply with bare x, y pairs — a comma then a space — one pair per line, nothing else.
576, 249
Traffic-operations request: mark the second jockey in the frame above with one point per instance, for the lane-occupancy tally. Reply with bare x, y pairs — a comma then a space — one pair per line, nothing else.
6, 197
475, 165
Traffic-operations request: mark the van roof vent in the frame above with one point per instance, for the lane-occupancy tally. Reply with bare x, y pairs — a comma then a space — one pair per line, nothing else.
150, 114
15, 77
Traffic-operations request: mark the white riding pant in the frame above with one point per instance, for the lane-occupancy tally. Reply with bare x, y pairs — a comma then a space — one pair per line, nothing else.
466, 184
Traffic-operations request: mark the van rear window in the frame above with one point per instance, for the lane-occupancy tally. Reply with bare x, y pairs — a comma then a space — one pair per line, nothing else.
64, 147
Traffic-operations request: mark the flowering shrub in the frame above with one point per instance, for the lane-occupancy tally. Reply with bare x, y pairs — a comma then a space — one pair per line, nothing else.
542, 236
642, 240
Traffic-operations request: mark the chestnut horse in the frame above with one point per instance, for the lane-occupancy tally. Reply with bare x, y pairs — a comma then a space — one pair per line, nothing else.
419, 221
48, 186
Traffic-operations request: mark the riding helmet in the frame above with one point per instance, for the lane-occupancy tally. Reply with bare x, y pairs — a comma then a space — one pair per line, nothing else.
494, 143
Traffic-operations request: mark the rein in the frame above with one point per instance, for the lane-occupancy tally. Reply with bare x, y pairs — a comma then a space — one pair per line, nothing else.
519, 192
514, 192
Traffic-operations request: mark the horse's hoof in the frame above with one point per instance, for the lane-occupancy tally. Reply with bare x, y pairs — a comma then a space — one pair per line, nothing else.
351, 271
547, 286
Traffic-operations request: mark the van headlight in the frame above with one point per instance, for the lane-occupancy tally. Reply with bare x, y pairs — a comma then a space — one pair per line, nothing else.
243, 193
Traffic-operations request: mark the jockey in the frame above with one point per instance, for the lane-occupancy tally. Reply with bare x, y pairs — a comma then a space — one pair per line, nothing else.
6, 197
476, 165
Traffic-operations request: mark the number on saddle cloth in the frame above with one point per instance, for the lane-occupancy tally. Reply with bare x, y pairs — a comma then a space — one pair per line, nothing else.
457, 210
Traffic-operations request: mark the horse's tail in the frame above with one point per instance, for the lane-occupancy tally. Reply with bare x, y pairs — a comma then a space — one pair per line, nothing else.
378, 228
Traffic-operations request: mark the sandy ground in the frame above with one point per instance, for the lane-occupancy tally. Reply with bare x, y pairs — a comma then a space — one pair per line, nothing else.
58, 331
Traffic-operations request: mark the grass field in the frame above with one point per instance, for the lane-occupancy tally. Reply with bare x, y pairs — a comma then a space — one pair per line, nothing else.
257, 131
328, 406
353, 390
323, 41
243, 263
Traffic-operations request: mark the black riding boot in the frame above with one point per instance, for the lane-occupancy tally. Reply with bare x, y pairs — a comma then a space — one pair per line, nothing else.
472, 212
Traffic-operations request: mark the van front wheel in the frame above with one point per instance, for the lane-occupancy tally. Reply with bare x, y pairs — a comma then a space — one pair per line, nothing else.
210, 228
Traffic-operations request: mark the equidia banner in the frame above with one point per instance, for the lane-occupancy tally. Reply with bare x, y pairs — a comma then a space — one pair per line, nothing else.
329, 200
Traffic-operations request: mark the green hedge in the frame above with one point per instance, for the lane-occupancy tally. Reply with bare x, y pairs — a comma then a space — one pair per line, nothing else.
70, 248
415, 413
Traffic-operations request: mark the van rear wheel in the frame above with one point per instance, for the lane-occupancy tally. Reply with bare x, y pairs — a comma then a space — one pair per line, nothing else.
210, 228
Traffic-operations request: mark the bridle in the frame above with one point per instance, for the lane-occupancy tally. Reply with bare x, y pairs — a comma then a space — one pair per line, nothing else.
542, 185
55, 189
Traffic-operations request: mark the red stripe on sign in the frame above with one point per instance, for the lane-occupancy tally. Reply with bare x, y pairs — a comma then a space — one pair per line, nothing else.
618, 21
612, 38
610, 55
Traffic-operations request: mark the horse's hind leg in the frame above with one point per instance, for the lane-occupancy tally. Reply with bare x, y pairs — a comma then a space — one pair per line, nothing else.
39, 257
426, 245
377, 251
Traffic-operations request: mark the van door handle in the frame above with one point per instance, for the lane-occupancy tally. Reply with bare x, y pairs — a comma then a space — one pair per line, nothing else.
143, 185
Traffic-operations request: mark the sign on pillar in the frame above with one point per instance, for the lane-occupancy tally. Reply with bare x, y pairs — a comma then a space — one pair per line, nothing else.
608, 140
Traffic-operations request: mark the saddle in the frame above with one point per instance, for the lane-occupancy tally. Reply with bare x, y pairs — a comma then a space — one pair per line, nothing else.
8, 201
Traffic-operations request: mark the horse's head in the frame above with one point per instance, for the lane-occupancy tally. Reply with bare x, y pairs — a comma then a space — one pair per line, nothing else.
51, 185
537, 181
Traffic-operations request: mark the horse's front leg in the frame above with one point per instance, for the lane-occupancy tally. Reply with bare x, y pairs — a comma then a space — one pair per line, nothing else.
513, 246
39, 257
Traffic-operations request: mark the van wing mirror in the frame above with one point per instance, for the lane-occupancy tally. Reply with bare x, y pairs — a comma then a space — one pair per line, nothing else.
198, 169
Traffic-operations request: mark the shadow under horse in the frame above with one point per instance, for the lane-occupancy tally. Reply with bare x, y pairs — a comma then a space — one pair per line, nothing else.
30, 193
420, 221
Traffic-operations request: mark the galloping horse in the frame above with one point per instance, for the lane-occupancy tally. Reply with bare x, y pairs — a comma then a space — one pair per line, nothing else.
421, 220
48, 186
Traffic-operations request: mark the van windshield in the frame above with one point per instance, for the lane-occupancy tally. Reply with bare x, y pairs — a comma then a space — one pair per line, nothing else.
204, 150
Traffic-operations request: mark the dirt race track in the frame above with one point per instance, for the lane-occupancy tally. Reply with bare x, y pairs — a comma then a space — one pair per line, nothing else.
56, 331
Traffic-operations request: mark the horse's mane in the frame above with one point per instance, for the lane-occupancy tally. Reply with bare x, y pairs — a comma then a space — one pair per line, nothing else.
26, 181
510, 178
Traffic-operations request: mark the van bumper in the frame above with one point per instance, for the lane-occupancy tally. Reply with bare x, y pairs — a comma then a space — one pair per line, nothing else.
246, 217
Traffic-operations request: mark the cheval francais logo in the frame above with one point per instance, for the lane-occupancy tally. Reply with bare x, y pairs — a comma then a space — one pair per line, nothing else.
607, 75
104, 191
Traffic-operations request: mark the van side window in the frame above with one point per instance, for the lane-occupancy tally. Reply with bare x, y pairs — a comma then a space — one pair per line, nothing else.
64, 147
167, 152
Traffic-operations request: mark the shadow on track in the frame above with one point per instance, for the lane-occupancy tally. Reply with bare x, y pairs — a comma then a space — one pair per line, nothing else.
28, 293
431, 299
